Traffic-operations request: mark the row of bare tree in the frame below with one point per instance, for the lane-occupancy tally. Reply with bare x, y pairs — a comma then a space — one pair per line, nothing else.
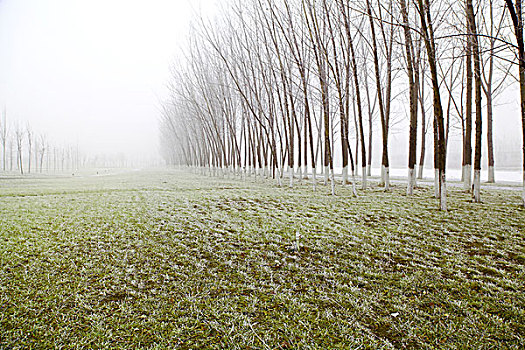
275, 86
26, 151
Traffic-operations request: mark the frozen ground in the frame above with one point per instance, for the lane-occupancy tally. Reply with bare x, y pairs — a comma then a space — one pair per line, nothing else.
175, 260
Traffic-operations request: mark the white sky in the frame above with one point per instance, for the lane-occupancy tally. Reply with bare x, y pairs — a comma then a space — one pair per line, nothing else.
91, 71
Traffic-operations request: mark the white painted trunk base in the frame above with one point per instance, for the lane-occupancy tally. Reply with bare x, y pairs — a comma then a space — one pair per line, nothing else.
467, 177
492, 177
354, 191
386, 177
326, 175
368, 170
523, 191
332, 181
443, 192
420, 172
436, 183
364, 181
314, 178
477, 186
411, 180
290, 175
345, 175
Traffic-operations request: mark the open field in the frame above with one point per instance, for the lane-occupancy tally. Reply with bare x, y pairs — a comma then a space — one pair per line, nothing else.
173, 260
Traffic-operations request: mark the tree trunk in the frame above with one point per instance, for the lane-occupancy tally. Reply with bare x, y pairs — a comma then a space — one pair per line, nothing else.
517, 20
384, 123
467, 140
428, 36
413, 100
370, 126
328, 164
359, 106
423, 128
477, 86
437, 186
490, 141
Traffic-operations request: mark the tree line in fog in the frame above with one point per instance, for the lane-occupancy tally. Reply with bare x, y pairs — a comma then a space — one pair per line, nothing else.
280, 88
27, 151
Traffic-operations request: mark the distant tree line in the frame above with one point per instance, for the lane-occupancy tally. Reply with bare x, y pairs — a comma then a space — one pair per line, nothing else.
280, 88
25, 151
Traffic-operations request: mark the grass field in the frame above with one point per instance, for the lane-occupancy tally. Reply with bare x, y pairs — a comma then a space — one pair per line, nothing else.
172, 260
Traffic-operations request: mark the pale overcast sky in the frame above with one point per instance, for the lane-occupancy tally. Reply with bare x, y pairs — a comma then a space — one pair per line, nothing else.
91, 71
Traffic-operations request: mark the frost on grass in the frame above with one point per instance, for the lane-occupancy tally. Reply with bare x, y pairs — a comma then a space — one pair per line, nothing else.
161, 260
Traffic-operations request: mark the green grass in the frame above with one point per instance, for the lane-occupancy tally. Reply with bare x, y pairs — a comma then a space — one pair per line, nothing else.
171, 260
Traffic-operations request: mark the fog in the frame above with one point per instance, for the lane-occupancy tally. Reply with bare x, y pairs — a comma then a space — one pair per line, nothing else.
91, 73
94, 74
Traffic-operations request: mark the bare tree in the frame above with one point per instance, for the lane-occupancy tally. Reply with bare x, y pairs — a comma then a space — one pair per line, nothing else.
473, 38
383, 102
516, 15
29, 134
492, 83
3, 139
19, 138
467, 132
317, 37
424, 121
42, 151
413, 90
11, 142
355, 71
428, 38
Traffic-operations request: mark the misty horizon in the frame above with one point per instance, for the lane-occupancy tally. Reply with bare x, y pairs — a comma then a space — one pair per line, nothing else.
92, 74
